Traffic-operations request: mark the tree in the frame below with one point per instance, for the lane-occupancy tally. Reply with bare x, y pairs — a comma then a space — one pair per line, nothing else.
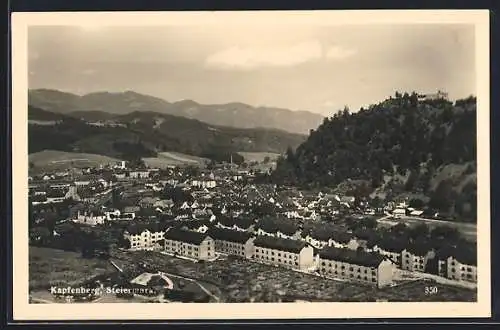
265, 209
377, 177
40, 236
412, 180
31, 215
93, 245
442, 198
123, 243
352, 223
394, 135
370, 223
346, 112
137, 162
420, 231
50, 220
266, 160
416, 203
377, 202
447, 233
191, 171
399, 229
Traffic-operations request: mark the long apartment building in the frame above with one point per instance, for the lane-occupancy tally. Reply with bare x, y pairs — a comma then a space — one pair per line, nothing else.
147, 236
353, 265
283, 252
457, 264
415, 256
190, 244
233, 242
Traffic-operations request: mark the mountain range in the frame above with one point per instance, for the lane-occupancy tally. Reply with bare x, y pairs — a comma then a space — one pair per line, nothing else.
238, 115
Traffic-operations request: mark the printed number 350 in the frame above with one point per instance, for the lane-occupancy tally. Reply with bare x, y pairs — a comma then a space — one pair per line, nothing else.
430, 290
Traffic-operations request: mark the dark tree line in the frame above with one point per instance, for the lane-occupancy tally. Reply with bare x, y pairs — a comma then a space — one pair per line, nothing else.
401, 135
395, 136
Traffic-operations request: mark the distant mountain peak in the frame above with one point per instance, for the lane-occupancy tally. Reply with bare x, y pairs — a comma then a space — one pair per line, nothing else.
233, 114
186, 103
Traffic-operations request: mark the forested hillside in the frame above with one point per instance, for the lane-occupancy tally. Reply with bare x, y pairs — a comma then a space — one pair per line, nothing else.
401, 145
144, 134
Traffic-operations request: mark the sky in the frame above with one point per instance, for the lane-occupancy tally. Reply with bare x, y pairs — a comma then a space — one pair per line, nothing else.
298, 67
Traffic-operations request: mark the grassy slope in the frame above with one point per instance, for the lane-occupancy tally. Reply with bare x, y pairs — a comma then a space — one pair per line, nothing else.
455, 172
53, 159
49, 267
174, 158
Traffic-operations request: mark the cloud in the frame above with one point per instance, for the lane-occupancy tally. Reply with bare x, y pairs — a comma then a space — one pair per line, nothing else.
338, 53
328, 104
254, 57
88, 72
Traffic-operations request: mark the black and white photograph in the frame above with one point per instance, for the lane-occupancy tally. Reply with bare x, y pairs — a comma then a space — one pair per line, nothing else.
307, 162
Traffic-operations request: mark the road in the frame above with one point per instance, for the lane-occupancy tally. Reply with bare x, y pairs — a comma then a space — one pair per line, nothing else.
468, 230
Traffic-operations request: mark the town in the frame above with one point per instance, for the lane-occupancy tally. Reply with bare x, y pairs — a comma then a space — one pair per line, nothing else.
177, 226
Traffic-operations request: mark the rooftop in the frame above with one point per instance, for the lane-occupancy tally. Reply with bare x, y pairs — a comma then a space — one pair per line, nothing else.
279, 244
360, 258
229, 235
186, 236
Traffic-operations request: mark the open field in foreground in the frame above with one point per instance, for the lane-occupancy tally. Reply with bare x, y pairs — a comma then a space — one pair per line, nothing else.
239, 280
230, 279
48, 267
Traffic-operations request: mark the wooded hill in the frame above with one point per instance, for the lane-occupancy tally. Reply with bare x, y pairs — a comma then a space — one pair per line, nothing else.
144, 134
400, 146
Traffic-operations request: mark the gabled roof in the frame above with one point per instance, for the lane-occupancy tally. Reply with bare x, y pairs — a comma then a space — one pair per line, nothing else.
194, 224
273, 225
244, 222
419, 248
129, 209
360, 258
55, 193
229, 235
445, 252
341, 237
86, 177
347, 199
186, 236
138, 228
394, 245
322, 233
225, 220
364, 234
466, 254
277, 243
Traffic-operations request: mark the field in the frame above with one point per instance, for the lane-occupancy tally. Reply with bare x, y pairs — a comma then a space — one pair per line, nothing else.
258, 156
61, 160
48, 267
165, 159
237, 280
228, 279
